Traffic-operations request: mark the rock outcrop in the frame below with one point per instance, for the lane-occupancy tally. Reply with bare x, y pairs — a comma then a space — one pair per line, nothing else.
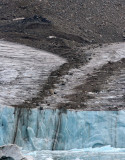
12, 152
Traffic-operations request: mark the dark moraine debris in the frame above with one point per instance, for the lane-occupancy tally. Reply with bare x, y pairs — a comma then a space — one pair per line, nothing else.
124, 34
36, 18
6, 158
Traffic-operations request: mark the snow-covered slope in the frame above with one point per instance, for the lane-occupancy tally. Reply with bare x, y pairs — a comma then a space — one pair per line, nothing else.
23, 70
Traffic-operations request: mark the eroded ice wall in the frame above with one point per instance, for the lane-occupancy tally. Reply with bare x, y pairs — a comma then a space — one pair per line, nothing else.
37, 129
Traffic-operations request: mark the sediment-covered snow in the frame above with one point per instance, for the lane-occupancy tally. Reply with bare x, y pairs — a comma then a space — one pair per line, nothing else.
23, 70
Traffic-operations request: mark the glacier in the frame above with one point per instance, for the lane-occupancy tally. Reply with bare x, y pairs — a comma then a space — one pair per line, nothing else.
54, 129
50, 133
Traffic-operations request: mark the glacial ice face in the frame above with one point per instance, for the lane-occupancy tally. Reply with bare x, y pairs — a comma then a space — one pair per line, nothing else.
35, 129
99, 57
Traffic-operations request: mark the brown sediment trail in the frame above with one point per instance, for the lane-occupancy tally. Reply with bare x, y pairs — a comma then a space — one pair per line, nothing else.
103, 90
81, 84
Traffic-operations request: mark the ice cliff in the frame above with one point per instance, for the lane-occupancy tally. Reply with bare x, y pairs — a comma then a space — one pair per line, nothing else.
36, 129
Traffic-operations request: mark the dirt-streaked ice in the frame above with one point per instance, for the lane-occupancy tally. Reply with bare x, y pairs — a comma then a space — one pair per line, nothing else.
99, 57
35, 129
23, 70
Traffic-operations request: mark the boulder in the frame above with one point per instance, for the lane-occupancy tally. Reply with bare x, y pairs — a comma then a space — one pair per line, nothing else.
12, 152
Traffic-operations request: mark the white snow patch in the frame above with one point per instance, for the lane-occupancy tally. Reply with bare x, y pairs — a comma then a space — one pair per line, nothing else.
18, 19
52, 37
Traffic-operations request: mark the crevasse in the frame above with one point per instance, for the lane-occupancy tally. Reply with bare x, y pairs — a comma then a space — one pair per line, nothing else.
49, 129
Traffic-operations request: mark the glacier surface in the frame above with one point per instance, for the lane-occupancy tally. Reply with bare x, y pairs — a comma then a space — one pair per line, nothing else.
35, 129
23, 71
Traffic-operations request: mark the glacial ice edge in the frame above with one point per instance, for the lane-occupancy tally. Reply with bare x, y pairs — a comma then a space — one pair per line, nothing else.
35, 129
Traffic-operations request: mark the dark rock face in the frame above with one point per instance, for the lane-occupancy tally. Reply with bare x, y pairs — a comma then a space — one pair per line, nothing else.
97, 20
36, 18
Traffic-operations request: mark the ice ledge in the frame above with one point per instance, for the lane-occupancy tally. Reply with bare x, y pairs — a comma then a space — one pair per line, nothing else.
99, 153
